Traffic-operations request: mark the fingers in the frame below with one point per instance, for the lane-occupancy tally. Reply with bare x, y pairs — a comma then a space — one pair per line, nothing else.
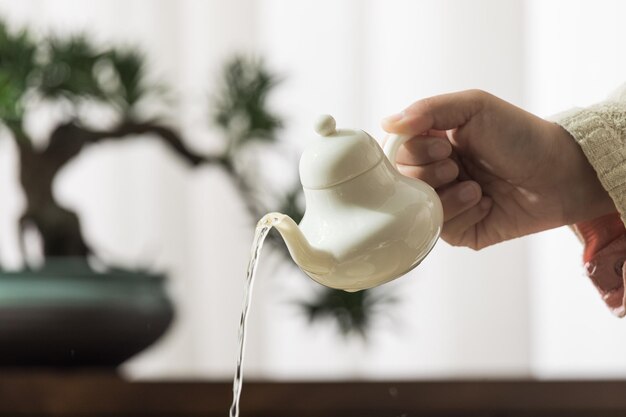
459, 197
423, 150
436, 174
443, 112
438, 133
455, 230
463, 202
428, 159
464, 207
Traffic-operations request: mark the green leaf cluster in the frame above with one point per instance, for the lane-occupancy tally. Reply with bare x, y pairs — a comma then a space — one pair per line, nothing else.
354, 312
76, 69
73, 69
17, 56
241, 109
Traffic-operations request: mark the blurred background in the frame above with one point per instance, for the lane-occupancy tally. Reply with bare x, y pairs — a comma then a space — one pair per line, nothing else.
521, 309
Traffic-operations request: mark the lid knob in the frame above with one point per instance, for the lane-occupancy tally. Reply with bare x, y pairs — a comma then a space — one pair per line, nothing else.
337, 156
325, 125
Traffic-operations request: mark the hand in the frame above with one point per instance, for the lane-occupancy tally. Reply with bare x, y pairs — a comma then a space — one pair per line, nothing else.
500, 171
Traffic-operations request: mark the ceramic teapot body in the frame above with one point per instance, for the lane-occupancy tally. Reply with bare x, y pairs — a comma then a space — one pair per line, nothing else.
365, 224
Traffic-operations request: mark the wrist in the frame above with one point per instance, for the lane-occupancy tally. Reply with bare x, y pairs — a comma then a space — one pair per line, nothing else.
584, 197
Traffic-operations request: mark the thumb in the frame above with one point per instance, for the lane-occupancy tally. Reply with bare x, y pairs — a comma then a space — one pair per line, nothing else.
443, 112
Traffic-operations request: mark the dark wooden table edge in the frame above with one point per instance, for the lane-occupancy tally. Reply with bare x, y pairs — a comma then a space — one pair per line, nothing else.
103, 394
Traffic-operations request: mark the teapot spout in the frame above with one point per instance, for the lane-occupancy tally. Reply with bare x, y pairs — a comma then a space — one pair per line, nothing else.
307, 257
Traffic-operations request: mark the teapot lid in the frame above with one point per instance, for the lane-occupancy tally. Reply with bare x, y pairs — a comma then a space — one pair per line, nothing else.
337, 155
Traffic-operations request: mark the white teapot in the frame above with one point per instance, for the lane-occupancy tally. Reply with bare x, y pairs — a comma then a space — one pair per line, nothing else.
365, 223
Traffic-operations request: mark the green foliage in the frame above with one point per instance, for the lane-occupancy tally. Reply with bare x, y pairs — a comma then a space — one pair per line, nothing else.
69, 70
129, 67
76, 69
73, 69
353, 311
241, 104
17, 52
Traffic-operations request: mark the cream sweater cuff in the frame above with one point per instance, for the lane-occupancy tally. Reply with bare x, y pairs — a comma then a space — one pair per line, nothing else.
600, 131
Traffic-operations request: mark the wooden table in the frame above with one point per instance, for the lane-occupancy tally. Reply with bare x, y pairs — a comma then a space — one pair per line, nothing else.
91, 394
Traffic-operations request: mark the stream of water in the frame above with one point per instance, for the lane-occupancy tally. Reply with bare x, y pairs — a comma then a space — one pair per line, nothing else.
262, 229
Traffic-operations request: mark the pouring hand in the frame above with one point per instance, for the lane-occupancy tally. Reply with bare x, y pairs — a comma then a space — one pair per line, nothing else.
500, 171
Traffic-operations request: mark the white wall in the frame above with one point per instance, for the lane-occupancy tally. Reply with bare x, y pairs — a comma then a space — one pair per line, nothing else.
572, 63
458, 315
509, 310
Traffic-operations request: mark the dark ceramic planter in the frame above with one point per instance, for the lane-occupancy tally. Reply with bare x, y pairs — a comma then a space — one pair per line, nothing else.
66, 315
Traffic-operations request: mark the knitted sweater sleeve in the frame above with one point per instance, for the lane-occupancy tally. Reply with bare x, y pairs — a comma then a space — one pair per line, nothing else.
600, 130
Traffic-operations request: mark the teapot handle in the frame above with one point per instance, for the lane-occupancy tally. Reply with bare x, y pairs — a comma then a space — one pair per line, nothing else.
392, 145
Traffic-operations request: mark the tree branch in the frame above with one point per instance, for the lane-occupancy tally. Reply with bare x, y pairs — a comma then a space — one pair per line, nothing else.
22, 140
67, 133
68, 139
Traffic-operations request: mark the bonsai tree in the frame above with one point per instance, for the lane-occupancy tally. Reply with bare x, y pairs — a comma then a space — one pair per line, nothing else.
72, 73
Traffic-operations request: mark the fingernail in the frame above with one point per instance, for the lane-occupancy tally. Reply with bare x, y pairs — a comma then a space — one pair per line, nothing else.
468, 193
446, 172
394, 118
438, 151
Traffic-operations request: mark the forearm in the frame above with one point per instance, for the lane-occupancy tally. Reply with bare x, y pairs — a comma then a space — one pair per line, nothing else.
600, 131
